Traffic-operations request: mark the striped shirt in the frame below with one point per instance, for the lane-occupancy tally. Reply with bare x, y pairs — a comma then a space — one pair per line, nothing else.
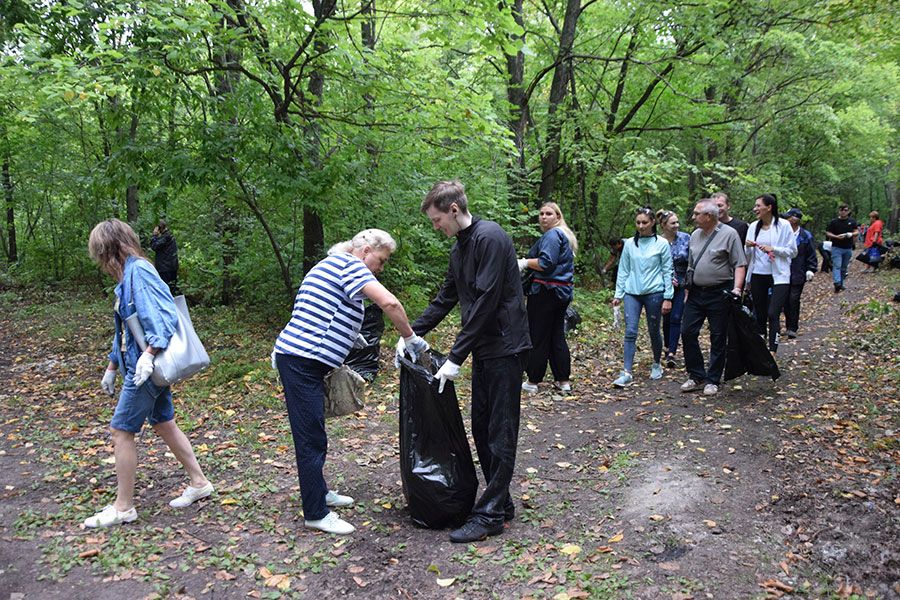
328, 311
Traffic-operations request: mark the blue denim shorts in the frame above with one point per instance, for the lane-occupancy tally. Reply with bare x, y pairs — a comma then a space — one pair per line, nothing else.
146, 403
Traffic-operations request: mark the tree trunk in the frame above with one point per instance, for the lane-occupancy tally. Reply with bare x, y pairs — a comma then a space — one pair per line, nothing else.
550, 160
516, 174
367, 10
12, 252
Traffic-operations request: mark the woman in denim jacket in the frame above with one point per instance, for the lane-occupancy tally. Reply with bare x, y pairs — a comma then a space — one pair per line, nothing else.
115, 247
678, 244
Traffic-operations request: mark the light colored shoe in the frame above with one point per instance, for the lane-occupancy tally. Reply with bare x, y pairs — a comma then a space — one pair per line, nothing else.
624, 380
191, 495
656, 371
336, 500
690, 386
710, 389
563, 387
109, 516
331, 524
529, 387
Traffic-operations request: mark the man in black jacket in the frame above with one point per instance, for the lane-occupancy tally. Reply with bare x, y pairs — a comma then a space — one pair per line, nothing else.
483, 278
803, 266
162, 242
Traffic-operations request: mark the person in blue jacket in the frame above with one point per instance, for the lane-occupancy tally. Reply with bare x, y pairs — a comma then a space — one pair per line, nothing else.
803, 267
552, 258
644, 281
116, 249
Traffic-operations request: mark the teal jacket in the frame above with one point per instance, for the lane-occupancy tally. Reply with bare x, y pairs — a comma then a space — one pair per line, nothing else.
645, 268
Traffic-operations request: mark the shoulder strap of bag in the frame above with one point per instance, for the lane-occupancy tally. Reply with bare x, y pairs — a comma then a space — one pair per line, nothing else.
702, 250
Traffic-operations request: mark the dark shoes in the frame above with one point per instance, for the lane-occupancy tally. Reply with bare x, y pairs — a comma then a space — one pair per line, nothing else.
473, 531
670, 360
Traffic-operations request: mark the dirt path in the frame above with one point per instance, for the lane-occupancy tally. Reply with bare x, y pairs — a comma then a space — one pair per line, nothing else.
769, 489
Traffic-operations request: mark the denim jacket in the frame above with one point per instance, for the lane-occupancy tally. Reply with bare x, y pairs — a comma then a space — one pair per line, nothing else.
554, 254
142, 291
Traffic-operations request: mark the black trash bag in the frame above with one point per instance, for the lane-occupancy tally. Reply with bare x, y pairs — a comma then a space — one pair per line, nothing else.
365, 360
747, 351
436, 467
573, 319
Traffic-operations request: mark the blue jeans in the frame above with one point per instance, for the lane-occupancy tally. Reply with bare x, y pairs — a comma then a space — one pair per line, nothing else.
840, 261
672, 322
653, 305
304, 395
148, 402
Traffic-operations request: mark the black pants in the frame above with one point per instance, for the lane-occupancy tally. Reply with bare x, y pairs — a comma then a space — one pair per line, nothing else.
496, 397
768, 308
792, 307
546, 322
705, 303
171, 279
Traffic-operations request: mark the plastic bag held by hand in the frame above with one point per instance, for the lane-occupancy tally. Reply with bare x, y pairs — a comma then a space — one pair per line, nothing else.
617, 316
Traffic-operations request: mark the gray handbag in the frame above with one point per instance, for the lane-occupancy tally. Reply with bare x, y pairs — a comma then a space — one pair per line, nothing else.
344, 392
184, 357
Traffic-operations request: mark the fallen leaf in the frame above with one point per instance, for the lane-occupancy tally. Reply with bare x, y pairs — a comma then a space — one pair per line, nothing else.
356, 570
446, 582
656, 517
89, 553
264, 573
709, 523
223, 575
616, 538
570, 549
359, 581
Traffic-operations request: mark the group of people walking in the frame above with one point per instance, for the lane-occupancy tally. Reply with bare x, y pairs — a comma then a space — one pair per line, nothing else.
509, 324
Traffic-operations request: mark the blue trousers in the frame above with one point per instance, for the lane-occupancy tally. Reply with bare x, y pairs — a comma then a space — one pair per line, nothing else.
672, 322
653, 305
840, 262
304, 395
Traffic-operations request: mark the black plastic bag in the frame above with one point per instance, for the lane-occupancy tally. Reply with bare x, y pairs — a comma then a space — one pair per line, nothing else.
747, 351
436, 466
365, 360
573, 319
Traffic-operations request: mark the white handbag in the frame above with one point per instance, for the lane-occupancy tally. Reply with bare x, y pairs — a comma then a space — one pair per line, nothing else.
184, 357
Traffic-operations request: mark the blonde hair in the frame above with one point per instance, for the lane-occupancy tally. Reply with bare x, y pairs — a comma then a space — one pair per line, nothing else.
561, 223
111, 243
374, 238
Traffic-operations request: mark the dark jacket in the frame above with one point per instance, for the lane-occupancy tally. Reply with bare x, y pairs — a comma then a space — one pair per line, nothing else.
166, 259
483, 277
805, 259
555, 256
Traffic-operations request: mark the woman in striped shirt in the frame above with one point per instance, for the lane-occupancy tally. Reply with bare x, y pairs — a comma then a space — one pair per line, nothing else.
328, 314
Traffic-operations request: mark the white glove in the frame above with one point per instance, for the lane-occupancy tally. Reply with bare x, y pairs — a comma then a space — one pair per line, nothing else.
108, 384
414, 345
448, 372
523, 264
809, 275
143, 369
617, 316
359, 342
274, 362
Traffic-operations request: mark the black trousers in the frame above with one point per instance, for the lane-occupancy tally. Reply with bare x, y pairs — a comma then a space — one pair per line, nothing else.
546, 322
496, 398
171, 279
792, 307
702, 304
768, 307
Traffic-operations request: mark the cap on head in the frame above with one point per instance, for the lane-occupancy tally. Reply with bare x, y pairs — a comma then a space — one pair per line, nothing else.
793, 212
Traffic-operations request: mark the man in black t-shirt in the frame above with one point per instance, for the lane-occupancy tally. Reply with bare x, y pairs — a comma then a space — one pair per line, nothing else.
724, 204
840, 232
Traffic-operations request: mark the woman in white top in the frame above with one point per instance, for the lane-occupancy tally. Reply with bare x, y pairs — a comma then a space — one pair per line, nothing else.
770, 247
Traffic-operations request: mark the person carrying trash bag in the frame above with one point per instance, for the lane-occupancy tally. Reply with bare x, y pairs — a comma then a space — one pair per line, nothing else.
436, 468
324, 324
747, 351
483, 278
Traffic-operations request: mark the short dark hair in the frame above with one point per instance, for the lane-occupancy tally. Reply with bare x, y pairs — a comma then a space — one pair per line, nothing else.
445, 193
843, 207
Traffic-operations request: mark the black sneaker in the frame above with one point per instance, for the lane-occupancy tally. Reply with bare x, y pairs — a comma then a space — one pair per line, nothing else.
670, 360
837, 288
473, 531
509, 513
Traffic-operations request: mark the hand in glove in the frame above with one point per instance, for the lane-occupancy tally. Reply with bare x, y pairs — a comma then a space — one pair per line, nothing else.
523, 264
414, 345
108, 384
143, 369
809, 275
359, 342
448, 372
274, 362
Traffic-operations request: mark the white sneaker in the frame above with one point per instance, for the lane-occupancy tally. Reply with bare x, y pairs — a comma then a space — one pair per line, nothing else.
656, 371
110, 516
191, 495
331, 524
690, 386
563, 387
624, 380
336, 500
710, 389
531, 388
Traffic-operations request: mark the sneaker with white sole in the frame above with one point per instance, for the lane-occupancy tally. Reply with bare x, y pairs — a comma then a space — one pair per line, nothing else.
656, 371
710, 389
563, 387
336, 500
331, 523
624, 380
691, 386
531, 388
109, 516
191, 495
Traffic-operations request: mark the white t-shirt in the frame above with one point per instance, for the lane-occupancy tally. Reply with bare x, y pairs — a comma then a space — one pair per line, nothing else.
762, 264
